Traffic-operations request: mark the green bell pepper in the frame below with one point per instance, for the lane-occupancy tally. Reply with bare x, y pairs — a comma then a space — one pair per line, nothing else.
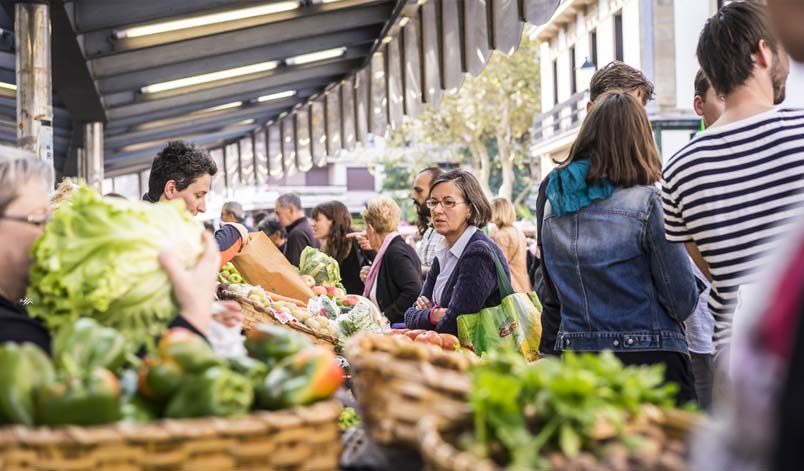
271, 343
254, 370
138, 410
190, 351
23, 369
90, 346
159, 379
302, 379
72, 399
215, 392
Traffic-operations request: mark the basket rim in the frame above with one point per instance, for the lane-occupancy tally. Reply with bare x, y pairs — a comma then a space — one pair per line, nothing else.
269, 311
166, 429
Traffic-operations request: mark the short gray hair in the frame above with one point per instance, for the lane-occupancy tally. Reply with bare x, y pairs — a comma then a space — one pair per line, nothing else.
289, 199
235, 209
18, 167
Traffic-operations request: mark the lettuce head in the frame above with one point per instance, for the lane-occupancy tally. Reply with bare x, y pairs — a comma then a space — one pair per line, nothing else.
98, 258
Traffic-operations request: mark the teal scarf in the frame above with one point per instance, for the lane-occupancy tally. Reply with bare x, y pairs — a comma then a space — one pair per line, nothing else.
568, 191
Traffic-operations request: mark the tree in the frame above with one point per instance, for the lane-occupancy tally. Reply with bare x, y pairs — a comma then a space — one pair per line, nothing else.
498, 105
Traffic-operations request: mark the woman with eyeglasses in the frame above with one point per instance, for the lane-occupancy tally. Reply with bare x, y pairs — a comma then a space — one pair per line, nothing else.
463, 277
24, 185
394, 280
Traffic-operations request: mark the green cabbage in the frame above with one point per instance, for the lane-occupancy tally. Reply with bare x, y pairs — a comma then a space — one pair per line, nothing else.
324, 269
98, 258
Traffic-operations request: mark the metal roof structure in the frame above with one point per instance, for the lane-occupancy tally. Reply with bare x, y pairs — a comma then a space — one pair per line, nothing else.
300, 79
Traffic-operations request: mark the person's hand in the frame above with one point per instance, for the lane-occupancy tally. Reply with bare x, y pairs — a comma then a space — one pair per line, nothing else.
244, 237
227, 313
423, 303
438, 314
362, 240
195, 288
364, 273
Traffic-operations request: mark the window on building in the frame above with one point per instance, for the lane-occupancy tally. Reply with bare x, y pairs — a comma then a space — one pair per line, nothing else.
555, 82
359, 179
317, 176
573, 72
593, 47
618, 36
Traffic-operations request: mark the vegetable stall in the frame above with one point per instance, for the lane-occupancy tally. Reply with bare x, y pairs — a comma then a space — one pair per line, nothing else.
122, 390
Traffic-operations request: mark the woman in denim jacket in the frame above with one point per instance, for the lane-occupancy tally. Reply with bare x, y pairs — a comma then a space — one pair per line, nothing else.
622, 286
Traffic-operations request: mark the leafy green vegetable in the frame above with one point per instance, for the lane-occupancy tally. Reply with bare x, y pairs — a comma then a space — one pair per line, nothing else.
98, 258
324, 269
359, 318
521, 409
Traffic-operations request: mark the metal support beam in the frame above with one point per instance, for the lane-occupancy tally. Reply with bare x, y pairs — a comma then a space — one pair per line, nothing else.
34, 91
93, 155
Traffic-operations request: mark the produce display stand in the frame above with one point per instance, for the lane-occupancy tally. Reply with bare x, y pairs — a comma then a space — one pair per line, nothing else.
397, 381
300, 439
254, 315
437, 438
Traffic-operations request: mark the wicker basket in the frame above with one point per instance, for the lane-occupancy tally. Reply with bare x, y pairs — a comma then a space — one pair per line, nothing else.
437, 437
298, 439
254, 315
397, 381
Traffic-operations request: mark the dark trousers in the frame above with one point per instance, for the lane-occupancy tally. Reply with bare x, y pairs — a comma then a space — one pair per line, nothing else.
678, 369
703, 368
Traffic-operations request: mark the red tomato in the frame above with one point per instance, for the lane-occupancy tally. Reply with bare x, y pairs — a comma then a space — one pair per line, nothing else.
449, 342
430, 336
412, 334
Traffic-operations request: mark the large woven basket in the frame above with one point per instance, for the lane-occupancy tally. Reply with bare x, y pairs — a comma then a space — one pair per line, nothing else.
254, 315
396, 382
301, 439
437, 438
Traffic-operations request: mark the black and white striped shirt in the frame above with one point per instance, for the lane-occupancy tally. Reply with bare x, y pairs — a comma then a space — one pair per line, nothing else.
733, 191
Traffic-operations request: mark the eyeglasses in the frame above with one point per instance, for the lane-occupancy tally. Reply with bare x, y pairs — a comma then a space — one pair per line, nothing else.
446, 203
37, 220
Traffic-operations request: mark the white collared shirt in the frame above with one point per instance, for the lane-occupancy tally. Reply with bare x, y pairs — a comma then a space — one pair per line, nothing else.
448, 260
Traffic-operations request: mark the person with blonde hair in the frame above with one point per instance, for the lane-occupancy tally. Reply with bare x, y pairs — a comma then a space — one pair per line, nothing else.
512, 242
394, 280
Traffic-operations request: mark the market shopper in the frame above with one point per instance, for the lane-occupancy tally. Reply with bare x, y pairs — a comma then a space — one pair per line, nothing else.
24, 184
512, 241
290, 214
621, 285
430, 239
615, 75
184, 171
232, 212
735, 190
700, 325
463, 278
276, 232
394, 279
331, 224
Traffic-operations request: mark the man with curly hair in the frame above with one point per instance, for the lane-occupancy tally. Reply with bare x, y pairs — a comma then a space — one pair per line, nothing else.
183, 171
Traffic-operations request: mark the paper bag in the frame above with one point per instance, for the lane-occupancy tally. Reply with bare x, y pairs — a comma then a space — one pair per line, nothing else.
261, 263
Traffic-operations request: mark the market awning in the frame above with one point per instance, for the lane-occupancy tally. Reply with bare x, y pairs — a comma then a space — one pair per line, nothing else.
299, 79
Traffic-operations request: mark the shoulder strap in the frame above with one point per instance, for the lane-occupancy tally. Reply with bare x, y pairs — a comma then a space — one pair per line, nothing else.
503, 283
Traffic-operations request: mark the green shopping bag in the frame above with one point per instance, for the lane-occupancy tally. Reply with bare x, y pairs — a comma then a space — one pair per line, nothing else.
515, 323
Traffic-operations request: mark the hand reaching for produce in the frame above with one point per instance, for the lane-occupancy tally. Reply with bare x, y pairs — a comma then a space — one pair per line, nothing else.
195, 288
364, 273
424, 303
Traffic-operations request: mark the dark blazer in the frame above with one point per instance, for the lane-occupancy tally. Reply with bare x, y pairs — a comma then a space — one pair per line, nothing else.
350, 270
471, 287
300, 235
17, 327
399, 281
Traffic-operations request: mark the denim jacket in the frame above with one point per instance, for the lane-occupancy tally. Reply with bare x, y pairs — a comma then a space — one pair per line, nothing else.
622, 286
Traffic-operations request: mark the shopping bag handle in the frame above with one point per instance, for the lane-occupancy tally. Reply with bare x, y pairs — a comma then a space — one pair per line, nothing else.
503, 282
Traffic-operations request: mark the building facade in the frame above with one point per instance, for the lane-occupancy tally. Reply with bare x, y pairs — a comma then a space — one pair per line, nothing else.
658, 37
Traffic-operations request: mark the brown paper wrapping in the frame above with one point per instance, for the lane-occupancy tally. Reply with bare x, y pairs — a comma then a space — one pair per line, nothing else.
261, 263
